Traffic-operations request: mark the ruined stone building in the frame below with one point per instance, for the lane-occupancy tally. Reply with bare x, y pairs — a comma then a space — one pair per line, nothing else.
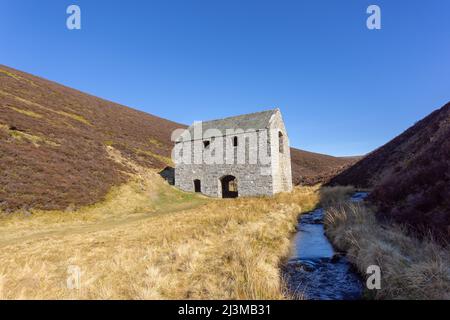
247, 155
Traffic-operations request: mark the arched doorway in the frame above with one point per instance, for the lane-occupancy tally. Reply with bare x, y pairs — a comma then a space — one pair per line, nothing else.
229, 187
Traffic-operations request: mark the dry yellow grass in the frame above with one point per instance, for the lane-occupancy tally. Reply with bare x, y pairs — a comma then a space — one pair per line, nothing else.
411, 268
148, 240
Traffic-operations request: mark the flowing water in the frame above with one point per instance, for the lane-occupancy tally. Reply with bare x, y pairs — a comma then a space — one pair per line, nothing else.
315, 270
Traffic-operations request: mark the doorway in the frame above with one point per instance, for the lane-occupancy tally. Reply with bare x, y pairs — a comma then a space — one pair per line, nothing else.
229, 187
197, 186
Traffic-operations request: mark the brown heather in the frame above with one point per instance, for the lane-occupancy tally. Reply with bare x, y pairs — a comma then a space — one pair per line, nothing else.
53, 138
310, 168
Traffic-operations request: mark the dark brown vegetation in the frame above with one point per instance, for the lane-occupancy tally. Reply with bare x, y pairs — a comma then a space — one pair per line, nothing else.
410, 175
53, 138
309, 168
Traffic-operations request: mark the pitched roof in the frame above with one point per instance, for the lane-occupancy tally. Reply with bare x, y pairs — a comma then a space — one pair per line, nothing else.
251, 121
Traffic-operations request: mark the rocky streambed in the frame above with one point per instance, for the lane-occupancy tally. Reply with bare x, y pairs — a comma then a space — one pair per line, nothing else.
315, 269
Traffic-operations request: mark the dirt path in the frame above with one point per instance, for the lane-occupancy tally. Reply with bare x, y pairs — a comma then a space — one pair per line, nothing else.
80, 228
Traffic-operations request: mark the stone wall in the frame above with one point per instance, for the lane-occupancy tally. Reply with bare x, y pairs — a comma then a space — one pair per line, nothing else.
249, 180
253, 178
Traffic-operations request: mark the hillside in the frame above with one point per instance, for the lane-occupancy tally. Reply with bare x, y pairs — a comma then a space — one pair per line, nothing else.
53, 143
53, 139
410, 175
309, 168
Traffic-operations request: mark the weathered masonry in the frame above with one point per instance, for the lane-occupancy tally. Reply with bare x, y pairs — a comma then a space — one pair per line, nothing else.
247, 155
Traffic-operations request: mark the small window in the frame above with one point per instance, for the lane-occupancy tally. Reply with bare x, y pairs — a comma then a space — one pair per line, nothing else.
281, 142
206, 144
235, 141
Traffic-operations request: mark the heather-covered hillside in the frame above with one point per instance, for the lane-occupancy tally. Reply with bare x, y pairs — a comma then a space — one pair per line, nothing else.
410, 175
309, 168
53, 145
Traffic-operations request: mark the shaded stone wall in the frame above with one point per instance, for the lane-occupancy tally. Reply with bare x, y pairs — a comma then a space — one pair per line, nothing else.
281, 162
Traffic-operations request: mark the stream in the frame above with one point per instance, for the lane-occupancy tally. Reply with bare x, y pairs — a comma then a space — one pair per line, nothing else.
315, 271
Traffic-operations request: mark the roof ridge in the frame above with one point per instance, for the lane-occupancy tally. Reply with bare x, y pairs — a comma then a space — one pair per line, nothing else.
251, 121
243, 115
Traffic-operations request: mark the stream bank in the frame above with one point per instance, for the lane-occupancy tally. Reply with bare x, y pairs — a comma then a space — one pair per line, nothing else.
315, 270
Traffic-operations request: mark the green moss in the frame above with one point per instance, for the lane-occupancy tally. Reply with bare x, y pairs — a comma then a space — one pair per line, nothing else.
62, 113
171, 197
27, 112
73, 116
16, 77
35, 140
156, 142
9, 74
108, 143
166, 160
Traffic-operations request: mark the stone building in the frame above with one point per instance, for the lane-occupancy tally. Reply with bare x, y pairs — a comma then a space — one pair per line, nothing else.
247, 155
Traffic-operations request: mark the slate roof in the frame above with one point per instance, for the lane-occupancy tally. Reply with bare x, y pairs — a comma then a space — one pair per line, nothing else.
251, 121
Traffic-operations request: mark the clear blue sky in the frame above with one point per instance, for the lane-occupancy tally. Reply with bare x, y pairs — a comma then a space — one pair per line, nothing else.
343, 89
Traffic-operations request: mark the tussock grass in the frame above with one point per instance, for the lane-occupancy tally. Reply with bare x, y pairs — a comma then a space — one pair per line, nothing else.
148, 240
331, 196
411, 268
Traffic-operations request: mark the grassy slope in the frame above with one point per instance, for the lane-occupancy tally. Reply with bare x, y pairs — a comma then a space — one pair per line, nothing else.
151, 241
